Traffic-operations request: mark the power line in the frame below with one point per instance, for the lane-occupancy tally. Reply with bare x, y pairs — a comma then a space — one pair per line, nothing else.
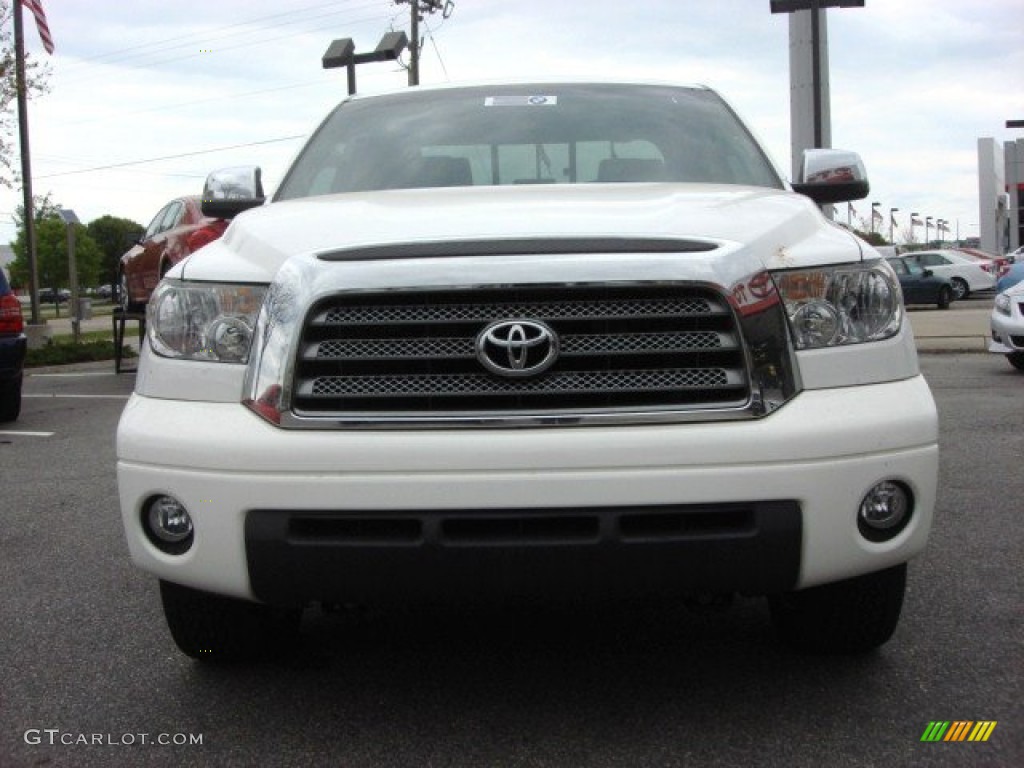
192, 39
196, 42
437, 51
171, 157
220, 99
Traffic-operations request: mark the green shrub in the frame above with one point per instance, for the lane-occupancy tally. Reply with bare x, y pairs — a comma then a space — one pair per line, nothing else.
64, 352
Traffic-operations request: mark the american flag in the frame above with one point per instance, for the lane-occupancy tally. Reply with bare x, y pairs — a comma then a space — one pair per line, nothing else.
36, 6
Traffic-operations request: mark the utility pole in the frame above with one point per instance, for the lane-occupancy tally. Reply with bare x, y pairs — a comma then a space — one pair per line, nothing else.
26, 167
416, 9
414, 48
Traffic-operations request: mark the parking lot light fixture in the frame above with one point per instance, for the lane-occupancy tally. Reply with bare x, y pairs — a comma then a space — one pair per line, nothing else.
342, 53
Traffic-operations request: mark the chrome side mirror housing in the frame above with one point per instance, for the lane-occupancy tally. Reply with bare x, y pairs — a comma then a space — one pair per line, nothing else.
229, 191
832, 176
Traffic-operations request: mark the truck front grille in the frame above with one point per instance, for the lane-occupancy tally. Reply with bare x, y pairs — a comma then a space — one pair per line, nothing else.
417, 353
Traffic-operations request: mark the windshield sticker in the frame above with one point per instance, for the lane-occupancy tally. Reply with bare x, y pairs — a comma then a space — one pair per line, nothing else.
521, 101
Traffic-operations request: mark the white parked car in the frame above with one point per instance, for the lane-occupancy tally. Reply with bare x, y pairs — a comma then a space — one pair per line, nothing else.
1007, 322
552, 339
966, 274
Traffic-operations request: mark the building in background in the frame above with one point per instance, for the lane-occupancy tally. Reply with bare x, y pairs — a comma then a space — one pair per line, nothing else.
1001, 194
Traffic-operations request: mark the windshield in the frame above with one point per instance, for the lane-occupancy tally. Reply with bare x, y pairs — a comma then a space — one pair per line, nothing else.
536, 134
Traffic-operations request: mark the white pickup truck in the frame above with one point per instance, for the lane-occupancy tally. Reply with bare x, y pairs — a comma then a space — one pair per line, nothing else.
559, 339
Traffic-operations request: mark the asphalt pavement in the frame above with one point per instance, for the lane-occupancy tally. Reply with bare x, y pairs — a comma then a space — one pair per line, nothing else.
91, 677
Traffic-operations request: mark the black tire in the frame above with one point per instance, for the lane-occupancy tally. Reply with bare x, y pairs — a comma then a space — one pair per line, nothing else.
10, 399
124, 302
945, 297
1016, 360
218, 629
960, 288
848, 617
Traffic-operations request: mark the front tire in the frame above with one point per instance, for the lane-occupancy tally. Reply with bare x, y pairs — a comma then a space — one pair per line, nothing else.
214, 628
1016, 360
960, 289
848, 617
945, 297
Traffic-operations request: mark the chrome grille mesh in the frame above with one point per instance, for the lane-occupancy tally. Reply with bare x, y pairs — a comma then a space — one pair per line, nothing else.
555, 310
621, 348
581, 382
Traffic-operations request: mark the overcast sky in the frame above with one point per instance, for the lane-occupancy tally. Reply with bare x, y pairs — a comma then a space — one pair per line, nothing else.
147, 97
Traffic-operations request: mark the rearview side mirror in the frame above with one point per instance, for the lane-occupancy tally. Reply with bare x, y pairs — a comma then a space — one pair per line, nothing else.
229, 191
832, 176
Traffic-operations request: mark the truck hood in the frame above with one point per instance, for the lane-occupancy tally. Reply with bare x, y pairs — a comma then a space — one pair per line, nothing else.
779, 228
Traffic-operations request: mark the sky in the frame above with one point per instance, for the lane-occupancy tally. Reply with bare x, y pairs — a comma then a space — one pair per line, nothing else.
146, 98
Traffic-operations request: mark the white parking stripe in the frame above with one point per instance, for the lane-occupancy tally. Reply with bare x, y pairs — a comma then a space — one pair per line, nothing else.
71, 375
26, 434
77, 397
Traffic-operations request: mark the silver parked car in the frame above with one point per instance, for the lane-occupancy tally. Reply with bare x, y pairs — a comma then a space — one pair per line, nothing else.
1008, 326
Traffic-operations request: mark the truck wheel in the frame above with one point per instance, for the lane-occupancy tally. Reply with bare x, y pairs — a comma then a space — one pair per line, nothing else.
851, 616
221, 629
1016, 360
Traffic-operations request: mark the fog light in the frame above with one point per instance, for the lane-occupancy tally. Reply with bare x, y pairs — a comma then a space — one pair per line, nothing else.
884, 511
168, 525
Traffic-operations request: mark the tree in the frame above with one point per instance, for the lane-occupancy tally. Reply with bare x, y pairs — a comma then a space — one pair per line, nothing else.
114, 236
36, 76
52, 249
864, 232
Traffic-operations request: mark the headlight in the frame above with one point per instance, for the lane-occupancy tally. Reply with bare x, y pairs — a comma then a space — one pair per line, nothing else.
849, 304
212, 322
1003, 304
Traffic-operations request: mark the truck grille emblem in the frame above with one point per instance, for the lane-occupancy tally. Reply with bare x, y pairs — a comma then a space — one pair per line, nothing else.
517, 347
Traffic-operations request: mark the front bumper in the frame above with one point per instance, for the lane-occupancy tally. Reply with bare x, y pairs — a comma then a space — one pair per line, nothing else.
1008, 330
818, 455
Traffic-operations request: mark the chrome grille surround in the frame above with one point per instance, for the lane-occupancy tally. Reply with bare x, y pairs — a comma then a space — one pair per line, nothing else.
355, 347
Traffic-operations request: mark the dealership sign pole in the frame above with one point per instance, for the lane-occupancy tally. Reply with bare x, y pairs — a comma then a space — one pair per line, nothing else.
810, 116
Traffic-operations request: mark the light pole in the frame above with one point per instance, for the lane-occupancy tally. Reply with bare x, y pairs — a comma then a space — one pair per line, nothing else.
927, 228
342, 53
892, 223
874, 213
71, 221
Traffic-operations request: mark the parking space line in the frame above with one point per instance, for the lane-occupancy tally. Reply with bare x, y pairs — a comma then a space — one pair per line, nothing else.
19, 433
76, 397
71, 375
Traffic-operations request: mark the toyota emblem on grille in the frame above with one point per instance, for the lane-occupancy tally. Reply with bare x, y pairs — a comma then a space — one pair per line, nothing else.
517, 347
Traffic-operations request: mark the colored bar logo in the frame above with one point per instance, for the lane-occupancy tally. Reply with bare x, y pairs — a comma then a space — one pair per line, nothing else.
958, 730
